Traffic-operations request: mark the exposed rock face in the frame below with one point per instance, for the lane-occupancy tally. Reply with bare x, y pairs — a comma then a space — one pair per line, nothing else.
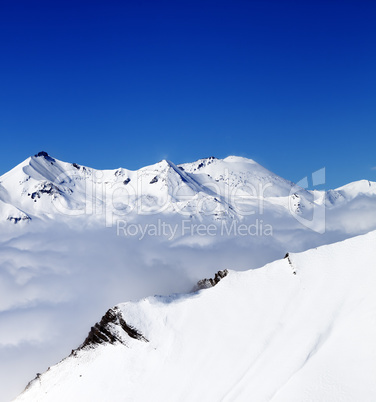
16, 219
290, 262
45, 156
42, 153
208, 283
44, 188
111, 329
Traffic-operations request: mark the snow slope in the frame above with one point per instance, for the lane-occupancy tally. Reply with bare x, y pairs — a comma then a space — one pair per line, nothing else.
299, 329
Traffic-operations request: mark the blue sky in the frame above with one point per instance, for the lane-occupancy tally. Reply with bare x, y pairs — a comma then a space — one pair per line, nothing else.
291, 84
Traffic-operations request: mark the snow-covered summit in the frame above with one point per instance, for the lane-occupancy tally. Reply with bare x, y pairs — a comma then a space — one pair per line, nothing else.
240, 173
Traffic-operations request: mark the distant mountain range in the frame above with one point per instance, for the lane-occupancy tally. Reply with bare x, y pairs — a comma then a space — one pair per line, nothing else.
44, 188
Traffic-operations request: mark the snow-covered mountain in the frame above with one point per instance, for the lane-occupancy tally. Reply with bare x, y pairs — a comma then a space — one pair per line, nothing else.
299, 329
241, 173
75, 240
44, 188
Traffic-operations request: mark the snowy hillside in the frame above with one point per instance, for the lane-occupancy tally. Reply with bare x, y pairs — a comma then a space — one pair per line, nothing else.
299, 329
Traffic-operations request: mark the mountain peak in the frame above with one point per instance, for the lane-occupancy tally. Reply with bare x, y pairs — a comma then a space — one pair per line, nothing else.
237, 159
43, 154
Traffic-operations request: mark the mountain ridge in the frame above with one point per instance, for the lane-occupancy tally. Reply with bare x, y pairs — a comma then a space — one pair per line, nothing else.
43, 187
234, 334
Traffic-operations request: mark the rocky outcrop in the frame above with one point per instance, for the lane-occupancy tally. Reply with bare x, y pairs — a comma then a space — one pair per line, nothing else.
112, 328
16, 219
43, 154
44, 188
208, 283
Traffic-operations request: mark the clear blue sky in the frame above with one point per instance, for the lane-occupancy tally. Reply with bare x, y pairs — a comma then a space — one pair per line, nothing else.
291, 84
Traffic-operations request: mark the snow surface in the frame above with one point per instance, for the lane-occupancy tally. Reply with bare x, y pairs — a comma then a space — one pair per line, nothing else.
299, 329
63, 260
